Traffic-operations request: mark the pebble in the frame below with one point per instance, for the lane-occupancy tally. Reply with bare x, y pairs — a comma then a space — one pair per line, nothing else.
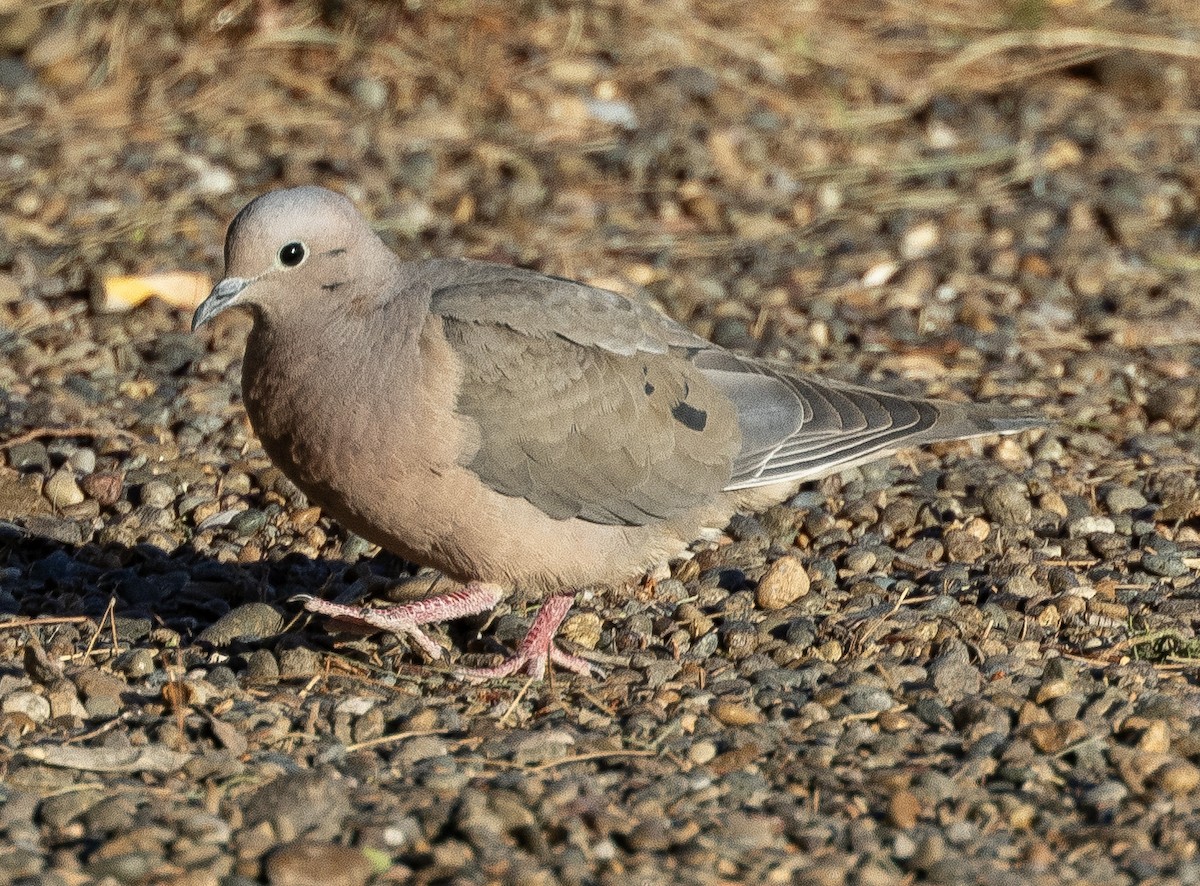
1008, 503
1085, 526
34, 706
735, 713
1164, 565
157, 494
250, 621
104, 486
919, 241
29, 456
869, 701
784, 582
702, 751
1122, 499
261, 667
62, 490
583, 629
299, 662
82, 460
248, 522
308, 863
1178, 778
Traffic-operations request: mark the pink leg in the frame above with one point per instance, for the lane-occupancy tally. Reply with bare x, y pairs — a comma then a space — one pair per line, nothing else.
406, 620
537, 649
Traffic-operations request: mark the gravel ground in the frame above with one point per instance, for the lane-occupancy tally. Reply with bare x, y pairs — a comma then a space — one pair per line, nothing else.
972, 664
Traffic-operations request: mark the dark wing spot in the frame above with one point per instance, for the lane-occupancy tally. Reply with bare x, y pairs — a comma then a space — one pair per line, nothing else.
689, 416
649, 388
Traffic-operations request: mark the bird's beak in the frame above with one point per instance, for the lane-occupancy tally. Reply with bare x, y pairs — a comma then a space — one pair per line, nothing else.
221, 297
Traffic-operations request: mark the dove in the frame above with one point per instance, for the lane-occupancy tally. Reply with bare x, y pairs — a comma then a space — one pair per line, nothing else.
517, 430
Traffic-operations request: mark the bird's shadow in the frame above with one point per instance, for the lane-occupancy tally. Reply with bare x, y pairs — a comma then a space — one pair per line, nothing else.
134, 590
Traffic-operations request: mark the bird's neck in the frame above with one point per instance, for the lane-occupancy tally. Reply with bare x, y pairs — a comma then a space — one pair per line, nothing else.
336, 352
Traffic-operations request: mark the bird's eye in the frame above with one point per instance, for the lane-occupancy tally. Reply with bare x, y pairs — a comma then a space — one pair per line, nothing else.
291, 255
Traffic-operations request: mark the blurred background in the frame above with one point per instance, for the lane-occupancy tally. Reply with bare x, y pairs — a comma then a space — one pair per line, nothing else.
753, 166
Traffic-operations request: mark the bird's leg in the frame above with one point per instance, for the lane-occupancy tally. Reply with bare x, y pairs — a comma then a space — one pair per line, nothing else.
537, 650
406, 620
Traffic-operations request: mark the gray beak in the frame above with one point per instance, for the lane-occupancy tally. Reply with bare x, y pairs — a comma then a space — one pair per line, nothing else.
221, 297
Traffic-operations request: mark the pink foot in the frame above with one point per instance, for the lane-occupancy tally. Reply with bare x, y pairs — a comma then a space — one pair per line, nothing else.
406, 620
537, 650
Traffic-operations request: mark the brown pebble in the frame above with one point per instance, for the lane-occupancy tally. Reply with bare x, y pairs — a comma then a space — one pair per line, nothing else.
785, 581
582, 629
733, 760
733, 713
306, 518
903, 809
306, 863
1178, 778
104, 487
1155, 739
1050, 738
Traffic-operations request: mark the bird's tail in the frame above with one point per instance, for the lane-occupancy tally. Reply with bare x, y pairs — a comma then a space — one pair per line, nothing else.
961, 421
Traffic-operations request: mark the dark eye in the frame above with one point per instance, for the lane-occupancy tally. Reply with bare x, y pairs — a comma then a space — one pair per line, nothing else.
291, 255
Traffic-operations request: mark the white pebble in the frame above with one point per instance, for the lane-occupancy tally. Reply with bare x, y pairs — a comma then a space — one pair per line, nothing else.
919, 241
879, 274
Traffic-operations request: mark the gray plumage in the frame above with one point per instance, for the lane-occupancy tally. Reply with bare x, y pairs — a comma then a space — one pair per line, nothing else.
503, 425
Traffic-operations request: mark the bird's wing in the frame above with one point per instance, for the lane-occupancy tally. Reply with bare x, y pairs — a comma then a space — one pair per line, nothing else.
587, 405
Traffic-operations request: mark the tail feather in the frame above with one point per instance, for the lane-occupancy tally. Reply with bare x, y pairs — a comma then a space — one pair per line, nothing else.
962, 421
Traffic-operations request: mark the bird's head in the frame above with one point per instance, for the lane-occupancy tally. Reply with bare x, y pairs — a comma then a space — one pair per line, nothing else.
291, 245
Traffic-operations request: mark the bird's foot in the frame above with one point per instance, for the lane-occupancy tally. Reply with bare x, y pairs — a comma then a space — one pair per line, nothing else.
406, 620
537, 650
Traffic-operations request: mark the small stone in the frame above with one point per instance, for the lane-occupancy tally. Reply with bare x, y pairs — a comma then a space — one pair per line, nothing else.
869, 701
1155, 738
62, 490
735, 713
1164, 565
248, 521
1023, 586
860, 560
298, 662
962, 546
1051, 738
308, 863
1107, 795
903, 809
740, 638
104, 486
785, 581
261, 667
252, 621
157, 494
582, 629
919, 240
29, 456
82, 460
370, 93
702, 751
954, 677
1178, 778
1122, 499
1085, 526
305, 518
1008, 503
22, 701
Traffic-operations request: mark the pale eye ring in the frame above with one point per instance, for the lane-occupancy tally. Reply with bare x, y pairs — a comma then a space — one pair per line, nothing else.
292, 254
